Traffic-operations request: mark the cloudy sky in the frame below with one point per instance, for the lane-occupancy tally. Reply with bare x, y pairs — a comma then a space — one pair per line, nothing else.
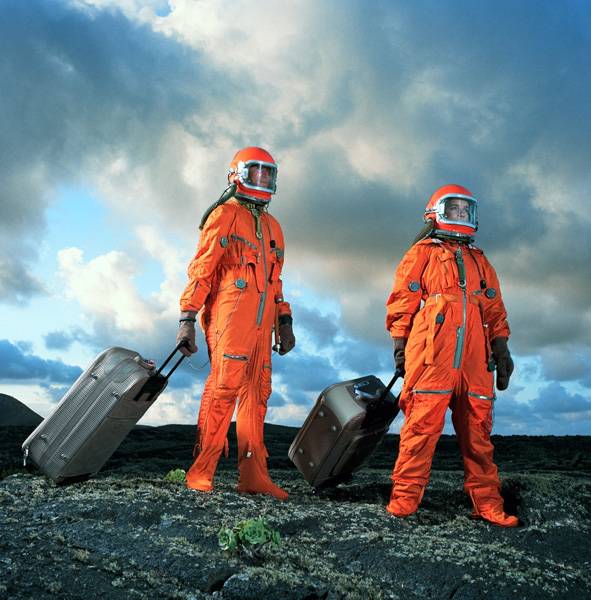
118, 119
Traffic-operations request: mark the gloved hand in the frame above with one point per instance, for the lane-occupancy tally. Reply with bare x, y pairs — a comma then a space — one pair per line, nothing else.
399, 347
286, 334
503, 361
187, 332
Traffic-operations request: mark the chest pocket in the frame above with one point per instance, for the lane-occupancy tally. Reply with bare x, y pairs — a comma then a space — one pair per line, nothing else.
255, 262
443, 274
245, 253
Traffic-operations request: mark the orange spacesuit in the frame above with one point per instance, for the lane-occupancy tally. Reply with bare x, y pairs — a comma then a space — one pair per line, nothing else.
235, 279
450, 329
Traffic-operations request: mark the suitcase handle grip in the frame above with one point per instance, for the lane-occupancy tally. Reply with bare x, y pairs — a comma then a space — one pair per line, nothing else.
178, 362
365, 395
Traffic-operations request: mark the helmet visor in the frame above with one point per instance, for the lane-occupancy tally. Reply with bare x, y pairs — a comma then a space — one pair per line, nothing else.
458, 210
257, 175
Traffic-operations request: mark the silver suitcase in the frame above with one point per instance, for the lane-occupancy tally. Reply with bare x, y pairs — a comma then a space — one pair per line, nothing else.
95, 415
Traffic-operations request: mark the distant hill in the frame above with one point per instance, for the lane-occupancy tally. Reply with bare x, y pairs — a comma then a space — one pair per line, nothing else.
14, 412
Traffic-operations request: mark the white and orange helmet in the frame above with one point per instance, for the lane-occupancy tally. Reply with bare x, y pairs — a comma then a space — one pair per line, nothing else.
442, 207
254, 171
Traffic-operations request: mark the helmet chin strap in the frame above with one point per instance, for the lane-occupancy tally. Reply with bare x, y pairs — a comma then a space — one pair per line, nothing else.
248, 200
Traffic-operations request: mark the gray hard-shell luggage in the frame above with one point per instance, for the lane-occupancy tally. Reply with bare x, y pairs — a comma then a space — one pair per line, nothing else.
96, 414
346, 424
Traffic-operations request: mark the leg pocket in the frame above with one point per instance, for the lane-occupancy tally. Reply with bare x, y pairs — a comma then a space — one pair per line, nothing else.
427, 415
232, 371
481, 411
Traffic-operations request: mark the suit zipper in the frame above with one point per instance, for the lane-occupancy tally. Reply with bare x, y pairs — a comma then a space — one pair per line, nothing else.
461, 331
236, 357
263, 293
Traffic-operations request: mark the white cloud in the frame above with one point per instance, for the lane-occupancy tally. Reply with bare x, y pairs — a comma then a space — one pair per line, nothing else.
366, 111
173, 265
36, 397
289, 414
557, 192
174, 407
172, 185
104, 288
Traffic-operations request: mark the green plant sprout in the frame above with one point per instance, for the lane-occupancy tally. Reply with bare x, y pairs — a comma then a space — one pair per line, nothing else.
247, 536
176, 476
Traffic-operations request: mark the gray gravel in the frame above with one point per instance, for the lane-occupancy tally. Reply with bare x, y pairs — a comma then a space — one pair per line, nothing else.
125, 535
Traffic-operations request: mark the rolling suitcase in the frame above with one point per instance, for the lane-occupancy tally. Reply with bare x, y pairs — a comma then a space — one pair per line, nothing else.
96, 414
346, 424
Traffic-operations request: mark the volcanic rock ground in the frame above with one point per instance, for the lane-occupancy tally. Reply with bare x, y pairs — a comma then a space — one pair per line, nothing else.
128, 533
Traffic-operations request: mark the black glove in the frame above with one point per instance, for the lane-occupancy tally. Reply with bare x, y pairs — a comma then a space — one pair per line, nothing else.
399, 347
286, 336
503, 362
186, 333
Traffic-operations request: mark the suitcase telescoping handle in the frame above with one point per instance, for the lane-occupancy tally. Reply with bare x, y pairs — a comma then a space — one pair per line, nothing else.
397, 374
176, 364
378, 398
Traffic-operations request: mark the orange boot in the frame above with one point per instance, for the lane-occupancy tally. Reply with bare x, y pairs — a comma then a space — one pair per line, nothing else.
200, 475
488, 505
212, 443
405, 499
254, 477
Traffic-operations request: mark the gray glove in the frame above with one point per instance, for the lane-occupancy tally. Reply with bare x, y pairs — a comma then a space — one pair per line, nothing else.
399, 347
186, 332
503, 362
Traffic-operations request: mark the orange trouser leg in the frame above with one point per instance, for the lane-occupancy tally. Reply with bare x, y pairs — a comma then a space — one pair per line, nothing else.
212, 441
250, 418
472, 419
206, 397
228, 368
208, 389
425, 417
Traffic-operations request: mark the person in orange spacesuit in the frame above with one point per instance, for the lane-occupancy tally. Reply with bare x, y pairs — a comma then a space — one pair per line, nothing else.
449, 326
234, 280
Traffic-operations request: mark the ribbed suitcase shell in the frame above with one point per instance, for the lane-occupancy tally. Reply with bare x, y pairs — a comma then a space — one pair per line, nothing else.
94, 416
342, 430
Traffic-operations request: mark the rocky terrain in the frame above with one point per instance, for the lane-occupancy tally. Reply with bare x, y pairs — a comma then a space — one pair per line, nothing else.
129, 533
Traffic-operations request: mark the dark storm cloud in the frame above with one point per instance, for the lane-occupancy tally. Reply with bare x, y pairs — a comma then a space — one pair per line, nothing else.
362, 358
481, 98
55, 392
18, 364
292, 396
405, 97
555, 410
62, 340
555, 400
76, 90
328, 334
276, 400
156, 347
305, 372
321, 329
16, 284
568, 363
